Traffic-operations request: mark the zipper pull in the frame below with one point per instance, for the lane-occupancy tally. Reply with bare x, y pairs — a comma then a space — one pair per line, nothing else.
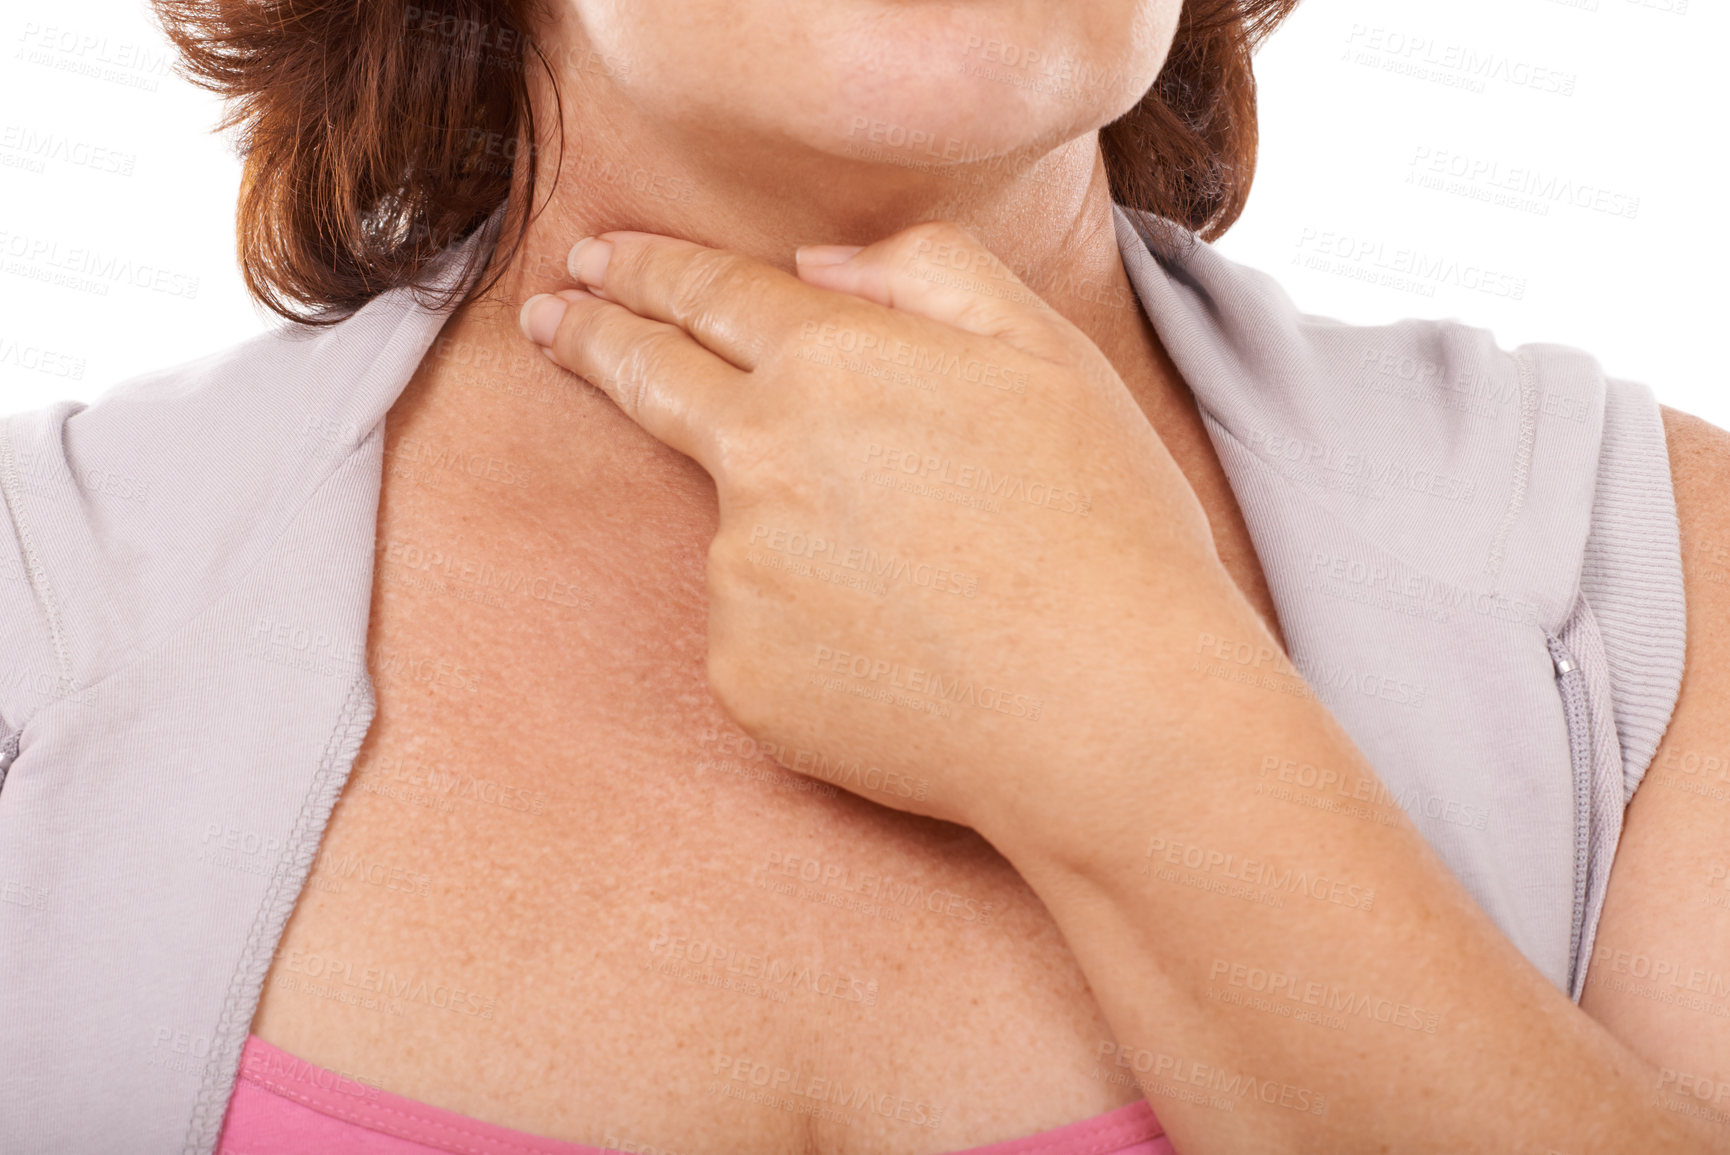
1561, 658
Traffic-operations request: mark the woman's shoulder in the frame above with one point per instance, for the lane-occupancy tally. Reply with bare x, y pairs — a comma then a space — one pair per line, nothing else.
1700, 461
1699, 455
1521, 481
274, 389
1460, 458
128, 516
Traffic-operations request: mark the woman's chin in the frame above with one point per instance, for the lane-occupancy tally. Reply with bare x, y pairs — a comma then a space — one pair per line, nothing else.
951, 116
947, 123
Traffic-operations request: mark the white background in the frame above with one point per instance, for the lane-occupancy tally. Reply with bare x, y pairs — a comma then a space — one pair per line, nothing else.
1549, 170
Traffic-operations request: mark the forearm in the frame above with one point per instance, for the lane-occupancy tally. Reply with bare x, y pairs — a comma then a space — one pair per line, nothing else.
1283, 977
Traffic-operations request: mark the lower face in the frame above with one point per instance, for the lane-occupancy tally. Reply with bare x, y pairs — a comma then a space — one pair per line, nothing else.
922, 82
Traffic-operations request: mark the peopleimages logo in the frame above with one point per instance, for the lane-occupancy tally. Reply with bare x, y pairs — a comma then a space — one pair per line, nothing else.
89, 269
1366, 473
1374, 792
994, 484
1375, 257
946, 690
1520, 180
1231, 1086
885, 568
849, 773
1328, 997
41, 147
778, 973
1260, 872
1397, 587
921, 360
797, 1085
1422, 57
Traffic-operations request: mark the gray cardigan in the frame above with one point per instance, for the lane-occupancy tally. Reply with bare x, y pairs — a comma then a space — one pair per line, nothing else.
1473, 552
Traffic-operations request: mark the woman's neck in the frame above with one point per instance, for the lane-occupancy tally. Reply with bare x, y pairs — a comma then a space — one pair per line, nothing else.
1048, 216
1050, 220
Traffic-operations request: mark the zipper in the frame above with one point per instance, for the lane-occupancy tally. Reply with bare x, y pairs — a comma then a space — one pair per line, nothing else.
1571, 683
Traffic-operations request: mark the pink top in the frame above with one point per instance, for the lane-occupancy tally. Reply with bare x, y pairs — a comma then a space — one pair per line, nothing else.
283, 1106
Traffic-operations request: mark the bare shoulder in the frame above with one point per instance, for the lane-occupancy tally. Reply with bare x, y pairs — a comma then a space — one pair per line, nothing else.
1699, 463
1700, 474
1659, 977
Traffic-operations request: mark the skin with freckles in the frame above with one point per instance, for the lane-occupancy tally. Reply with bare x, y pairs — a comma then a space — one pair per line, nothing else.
713, 353
680, 912
640, 909
984, 617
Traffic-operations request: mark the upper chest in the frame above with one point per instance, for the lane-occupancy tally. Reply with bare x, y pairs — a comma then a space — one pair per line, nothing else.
554, 824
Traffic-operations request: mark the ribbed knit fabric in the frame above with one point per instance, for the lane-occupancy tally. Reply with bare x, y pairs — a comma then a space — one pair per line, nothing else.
1628, 629
1630, 574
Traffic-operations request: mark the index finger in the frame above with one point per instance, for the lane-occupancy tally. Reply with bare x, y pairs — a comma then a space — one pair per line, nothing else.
734, 306
656, 373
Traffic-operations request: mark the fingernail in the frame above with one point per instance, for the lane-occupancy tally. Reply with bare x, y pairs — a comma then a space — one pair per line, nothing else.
588, 260
824, 254
540, 317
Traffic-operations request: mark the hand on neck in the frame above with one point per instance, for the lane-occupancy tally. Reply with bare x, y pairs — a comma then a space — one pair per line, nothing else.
611, 154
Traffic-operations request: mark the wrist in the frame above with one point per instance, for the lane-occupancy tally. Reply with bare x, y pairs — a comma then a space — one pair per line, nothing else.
1184, 692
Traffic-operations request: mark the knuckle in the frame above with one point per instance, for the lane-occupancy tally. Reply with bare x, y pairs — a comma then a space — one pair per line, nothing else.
726, 294
640, 362
722, 684
643, 356
706, 278
941, 232
734, 686
728, 573
938, 240
746, 454
1045, 345
717, 290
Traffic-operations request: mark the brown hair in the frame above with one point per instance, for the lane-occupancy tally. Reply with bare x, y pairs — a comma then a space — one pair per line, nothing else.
376, 133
